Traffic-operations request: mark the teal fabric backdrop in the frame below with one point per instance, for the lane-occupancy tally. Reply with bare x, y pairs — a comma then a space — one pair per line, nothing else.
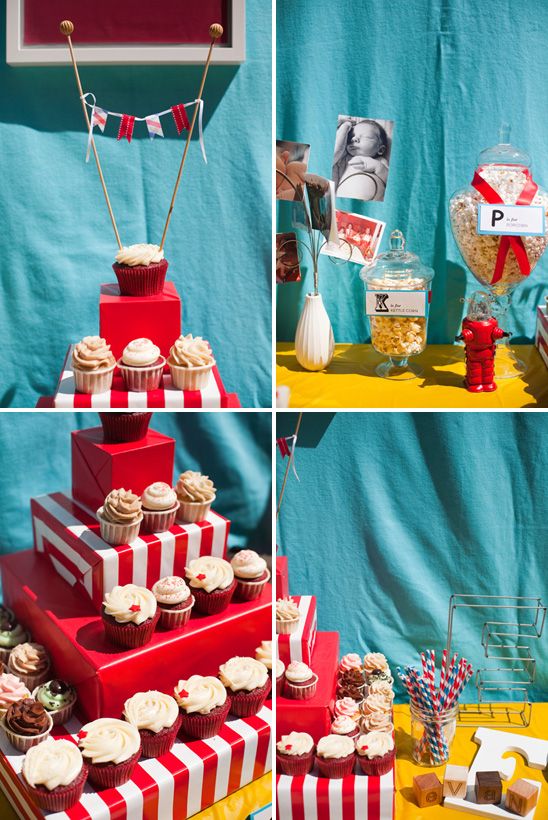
57, 244
447, 72
395, 512
234, 449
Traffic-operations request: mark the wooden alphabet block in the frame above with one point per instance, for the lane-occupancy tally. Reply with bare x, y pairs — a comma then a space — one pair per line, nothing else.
521, 797
488, 787
428, 790
455, 781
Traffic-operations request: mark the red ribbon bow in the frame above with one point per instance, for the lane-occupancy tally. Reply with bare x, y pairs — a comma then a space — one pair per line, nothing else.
526, 196
126, 127
180, 117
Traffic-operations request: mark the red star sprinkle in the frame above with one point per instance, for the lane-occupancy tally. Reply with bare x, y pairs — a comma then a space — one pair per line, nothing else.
289, 746
365, 748
135, 608
200, 577
81, 734
183, 693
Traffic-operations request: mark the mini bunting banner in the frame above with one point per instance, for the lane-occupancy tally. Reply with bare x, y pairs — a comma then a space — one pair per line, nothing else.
154, 126
286, 446
180, 118
126, 127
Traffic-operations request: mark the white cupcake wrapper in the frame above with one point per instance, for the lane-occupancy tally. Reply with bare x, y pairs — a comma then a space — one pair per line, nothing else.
117, 534
58, 716
142, 379
287, 627
31, 681
24, 743
159, 520
93, 381
190, 512
191, 378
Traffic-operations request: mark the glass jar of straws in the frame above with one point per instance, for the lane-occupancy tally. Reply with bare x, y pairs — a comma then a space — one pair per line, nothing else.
432, 734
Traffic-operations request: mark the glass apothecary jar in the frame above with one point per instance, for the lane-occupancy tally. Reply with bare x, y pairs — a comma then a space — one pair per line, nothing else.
397, 295
432, 734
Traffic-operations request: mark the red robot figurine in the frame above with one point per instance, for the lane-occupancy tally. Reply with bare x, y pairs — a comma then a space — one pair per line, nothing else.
480, 331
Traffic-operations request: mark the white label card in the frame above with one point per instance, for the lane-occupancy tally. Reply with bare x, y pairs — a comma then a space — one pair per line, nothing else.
511, 220
396, 302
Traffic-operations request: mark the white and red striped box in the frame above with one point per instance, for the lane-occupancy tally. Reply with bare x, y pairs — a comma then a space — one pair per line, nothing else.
69, 534
213, 395
323, 798
300, 645
541, 334
188, 779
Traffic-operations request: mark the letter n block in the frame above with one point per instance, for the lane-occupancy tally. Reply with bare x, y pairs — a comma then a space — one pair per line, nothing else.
521, 797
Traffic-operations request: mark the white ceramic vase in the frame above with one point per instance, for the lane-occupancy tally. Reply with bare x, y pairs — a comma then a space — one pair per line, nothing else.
314, 342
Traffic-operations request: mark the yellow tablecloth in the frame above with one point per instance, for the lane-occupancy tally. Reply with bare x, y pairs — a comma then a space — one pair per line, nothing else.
462, 754
236, 806
350, 381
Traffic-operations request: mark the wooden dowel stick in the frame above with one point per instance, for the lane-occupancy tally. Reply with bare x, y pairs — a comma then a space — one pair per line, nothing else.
215, 31
66, 28
289, 463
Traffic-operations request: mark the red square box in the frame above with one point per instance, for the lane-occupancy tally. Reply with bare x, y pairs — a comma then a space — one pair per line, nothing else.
65, 622
123, 318
98, 467
282, 577
300, 645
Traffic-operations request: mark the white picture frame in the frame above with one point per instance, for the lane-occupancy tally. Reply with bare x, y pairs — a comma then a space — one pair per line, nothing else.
19, 54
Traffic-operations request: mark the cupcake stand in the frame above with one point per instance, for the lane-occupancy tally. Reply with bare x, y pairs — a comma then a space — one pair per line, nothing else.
55, 590
312, 796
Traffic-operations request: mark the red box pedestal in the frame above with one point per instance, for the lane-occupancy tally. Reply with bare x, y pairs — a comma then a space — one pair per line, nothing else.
105, 676
319, 798
282, 577
98, 468
313, 716
124, 318
300, 645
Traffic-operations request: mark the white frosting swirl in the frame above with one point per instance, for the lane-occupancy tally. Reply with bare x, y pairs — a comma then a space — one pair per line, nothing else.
346, 706
376, 703
375, 662
287, 610
350, 661
343, 725
200, 694
170, 590
209, 573
151, 710
109, 740
189, 351
335, 746
378, 722
374, 744
295, 743
139, 254
263, 653
12, 689
248, 564
195, 488
52, 763
244, 674
159, 496
383, 688
298, 672
130, 604
140, 353
280, 668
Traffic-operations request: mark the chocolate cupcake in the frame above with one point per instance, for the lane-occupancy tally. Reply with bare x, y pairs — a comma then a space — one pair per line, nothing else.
92, 365
251, 573
351, 684
124, 427
130, 615
31, 663
376, 753
196, 494
204, 704
120, 517
300, 681
212, 583
58, 698
247, 683
157, 718
174, 601
26, 724
295, 754
159, 506
141, 366
140, 270
335, 756
55, 774
112, 749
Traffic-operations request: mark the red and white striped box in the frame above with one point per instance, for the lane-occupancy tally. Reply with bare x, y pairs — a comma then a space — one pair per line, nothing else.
300, 645
69, 534
321, 798
188, 779
213, 395
541, 335
282, 577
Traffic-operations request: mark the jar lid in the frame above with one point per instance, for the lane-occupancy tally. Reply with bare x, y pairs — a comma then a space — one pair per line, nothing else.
504, 153
396, 263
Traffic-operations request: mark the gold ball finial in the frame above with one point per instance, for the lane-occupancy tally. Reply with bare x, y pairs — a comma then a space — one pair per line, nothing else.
66, 27
215, 31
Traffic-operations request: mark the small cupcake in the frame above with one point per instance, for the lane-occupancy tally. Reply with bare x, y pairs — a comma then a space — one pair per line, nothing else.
376, 703
212, 583
350, 662
376, 753
377, 722
130, 615
11, 634
26, 724
351, 684
140, 269
205, 705
295, 754
251, 573
376, 668
280, 677
196, 494
287, 616
31, 663
174, 601
383, 688
247, 683
124, 427
112, 749
55, 774
12, 689
159, 506
300, 681
344, 725
263, 653
93, 365
120, 517
141, 366
347, 707
58, 698
157, 718
190, 361
335, 756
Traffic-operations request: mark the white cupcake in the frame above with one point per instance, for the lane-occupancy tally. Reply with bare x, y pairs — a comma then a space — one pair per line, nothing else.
141, 366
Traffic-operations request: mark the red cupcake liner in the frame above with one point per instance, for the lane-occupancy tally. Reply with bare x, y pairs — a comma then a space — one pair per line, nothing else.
111, 775
336, 767
303, 692
246, 704
141, 280
156, 744
280, 685
250, 590
124, 427
159, 520
202, 727
211, 603
130, 636
61, 798
376, 766
176, 618
295, 765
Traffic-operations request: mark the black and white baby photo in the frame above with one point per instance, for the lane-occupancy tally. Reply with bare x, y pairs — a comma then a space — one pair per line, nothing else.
361, 159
